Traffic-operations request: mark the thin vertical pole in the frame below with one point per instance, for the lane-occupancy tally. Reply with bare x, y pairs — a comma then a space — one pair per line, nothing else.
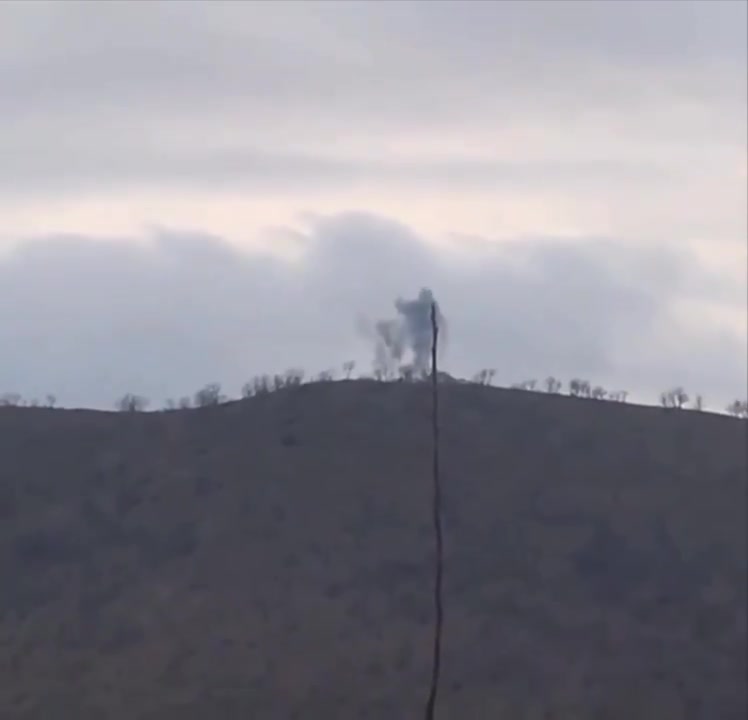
437, 513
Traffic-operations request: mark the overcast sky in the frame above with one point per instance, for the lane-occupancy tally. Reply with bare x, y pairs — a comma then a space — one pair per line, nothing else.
195, 192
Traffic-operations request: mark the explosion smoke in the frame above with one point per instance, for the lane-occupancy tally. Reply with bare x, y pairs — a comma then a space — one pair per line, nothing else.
409, 332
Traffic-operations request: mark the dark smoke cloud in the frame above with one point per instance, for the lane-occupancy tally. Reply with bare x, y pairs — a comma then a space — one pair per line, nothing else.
407, 336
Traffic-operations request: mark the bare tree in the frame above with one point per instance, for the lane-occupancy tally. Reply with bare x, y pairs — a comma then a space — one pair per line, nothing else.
258, 385
485, 376
326, 376
51, 400
132, 403
293, 377
348, 368
209, 395
185, 403
698, 403
580, 388
552, 385
598, 393
10, 400
618, 396
738, 408
675, 398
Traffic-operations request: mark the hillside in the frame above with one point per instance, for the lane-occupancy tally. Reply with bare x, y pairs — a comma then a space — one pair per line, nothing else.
272, 558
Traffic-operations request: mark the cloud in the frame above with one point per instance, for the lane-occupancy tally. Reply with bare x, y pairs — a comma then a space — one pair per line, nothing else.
93, 318
503, 118
254, 93
296, 52
559, 124
116, 165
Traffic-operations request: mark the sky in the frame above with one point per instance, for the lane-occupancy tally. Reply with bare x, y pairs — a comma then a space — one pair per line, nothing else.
201, 192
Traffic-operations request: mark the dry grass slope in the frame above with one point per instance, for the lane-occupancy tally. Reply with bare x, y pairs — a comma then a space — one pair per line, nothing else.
271, 558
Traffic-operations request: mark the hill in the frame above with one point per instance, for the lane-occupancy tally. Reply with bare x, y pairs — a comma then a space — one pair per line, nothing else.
272, 558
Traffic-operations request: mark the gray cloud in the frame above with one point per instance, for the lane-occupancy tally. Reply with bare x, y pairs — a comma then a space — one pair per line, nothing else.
188, 53
168, 94
91, 319
116, 165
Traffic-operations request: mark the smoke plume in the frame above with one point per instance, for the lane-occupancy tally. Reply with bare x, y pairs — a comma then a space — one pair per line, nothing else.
404, 342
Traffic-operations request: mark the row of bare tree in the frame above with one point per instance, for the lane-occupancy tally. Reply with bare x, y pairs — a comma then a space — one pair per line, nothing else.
15, 400
675, 398
263, 384
211, 394
577, 388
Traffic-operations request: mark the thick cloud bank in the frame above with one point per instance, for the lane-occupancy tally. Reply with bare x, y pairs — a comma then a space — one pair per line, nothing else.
90, 319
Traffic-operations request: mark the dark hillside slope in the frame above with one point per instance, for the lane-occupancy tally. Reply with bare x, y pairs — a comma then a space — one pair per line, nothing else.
272, 558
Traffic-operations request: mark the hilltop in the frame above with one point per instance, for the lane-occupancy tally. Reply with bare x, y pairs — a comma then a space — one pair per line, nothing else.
272, 558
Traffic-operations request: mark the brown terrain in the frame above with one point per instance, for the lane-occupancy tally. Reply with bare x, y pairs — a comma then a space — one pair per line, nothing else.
273, 557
